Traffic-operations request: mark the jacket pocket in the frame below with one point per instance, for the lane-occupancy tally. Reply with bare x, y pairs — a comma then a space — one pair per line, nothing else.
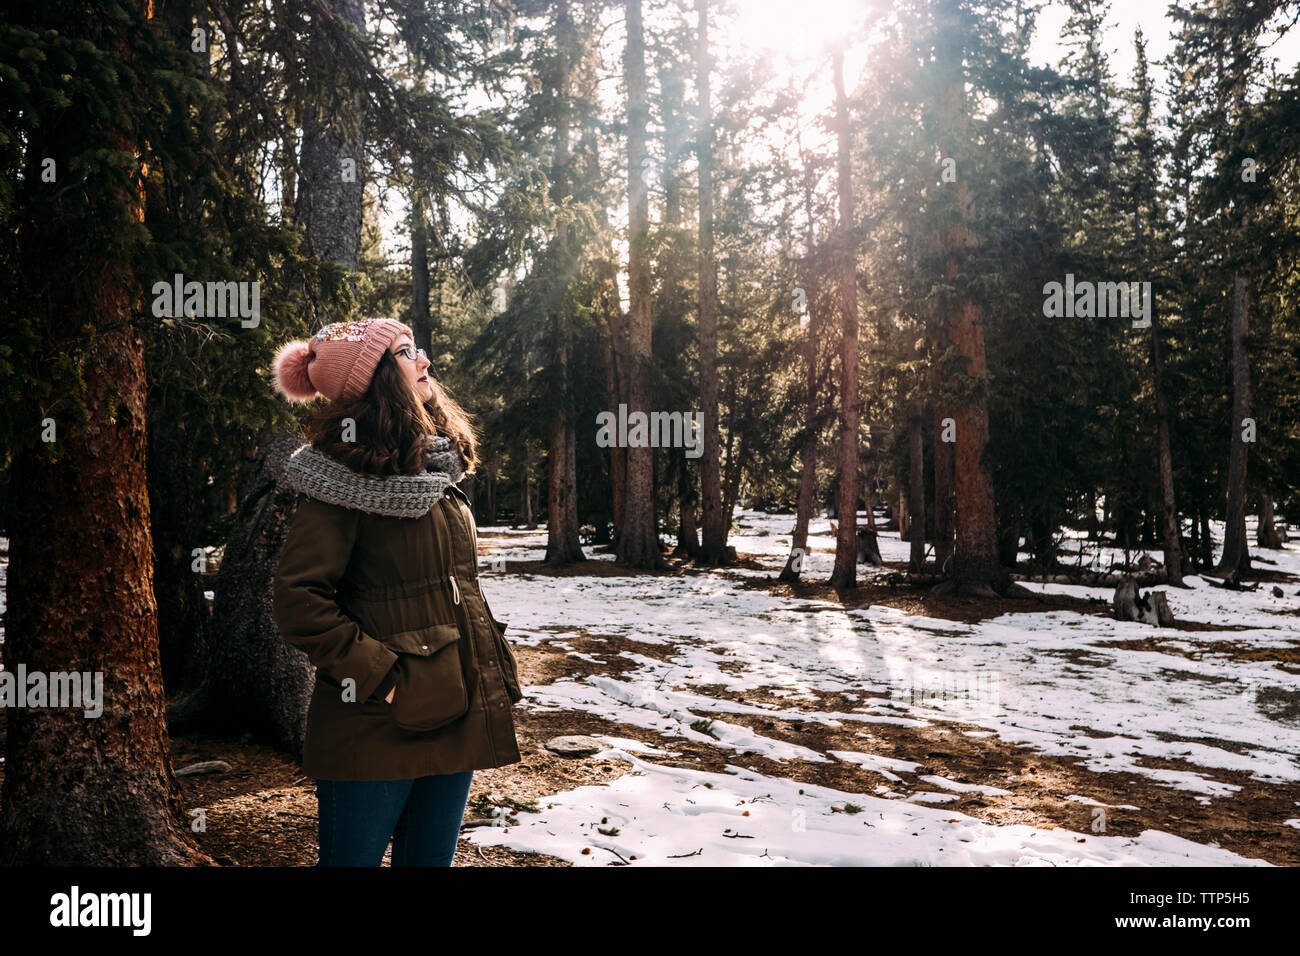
509, 663
431, 689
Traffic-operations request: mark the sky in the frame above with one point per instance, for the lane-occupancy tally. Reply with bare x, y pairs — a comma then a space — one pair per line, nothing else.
795, 33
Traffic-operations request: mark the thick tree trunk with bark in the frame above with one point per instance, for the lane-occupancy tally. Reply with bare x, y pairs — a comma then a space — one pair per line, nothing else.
78, 790
638, 542
1236, 553
976, 567
845, 572
85, 790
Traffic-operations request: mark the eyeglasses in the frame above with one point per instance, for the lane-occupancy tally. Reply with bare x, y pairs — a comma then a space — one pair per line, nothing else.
408, 353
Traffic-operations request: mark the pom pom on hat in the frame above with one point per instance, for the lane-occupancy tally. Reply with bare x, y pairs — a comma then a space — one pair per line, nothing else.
289, 371
339, 361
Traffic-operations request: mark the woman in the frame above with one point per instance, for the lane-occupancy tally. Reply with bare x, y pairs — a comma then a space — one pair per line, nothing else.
378, 583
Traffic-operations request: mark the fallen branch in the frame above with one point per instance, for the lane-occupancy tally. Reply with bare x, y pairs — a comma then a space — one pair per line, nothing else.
1097, 579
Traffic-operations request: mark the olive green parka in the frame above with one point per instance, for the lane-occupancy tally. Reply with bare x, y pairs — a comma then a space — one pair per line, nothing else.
361, 592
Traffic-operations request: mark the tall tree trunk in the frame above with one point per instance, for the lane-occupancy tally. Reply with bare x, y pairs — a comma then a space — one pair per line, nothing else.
916, 484
526, 499
976, 568
715, 532
688, 540
1169, 523
615, 349
673, 320
183, 613
945, 517
420, 274
845, 572
562, 543
732, 464
78, 790
174, 506
731, 484
811, 348
1236, 555
616, 394
638, 542
333, 169
808, 454
1207, 539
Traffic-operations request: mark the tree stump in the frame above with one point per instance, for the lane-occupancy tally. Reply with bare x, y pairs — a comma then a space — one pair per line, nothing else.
868, 547
253, 680
1129, 604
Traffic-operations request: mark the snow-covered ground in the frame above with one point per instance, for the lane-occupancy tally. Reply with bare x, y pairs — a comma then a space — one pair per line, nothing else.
1051, 681
669, 816
1047, 680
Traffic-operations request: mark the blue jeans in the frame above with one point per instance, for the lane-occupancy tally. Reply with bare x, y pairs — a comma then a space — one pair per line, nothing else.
356, 818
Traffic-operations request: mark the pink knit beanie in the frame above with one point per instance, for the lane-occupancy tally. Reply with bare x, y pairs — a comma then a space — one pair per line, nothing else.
338, 361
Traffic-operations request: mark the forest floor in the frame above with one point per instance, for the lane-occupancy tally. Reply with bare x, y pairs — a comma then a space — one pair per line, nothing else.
752, 722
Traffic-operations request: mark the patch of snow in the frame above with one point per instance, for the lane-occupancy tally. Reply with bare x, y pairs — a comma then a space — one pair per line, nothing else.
937, 781
670, 816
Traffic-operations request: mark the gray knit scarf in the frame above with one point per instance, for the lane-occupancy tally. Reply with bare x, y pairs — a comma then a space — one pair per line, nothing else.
400, 496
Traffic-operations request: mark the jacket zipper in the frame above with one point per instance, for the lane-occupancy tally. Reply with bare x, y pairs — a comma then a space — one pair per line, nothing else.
455, 590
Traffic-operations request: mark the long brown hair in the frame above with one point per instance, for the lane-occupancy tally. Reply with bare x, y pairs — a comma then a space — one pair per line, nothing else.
390, 425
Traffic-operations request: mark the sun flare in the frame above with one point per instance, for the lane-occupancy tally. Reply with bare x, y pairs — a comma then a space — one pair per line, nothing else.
799, 31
